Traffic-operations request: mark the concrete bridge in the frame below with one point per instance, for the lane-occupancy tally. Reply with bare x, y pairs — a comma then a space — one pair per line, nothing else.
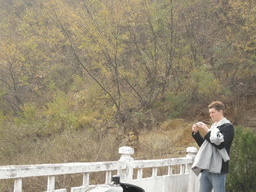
178, 177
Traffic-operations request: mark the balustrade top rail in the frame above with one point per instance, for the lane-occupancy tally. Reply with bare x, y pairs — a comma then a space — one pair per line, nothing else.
23, 171
161, 162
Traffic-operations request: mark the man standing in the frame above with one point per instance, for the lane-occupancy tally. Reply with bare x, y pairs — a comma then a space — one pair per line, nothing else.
212, 158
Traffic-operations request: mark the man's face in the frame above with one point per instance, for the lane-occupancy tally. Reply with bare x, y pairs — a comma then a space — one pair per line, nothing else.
216, 115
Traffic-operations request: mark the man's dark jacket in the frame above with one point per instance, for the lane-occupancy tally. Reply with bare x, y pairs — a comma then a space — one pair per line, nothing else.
228, 132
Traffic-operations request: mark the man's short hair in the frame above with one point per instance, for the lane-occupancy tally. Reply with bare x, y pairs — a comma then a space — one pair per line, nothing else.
217, 105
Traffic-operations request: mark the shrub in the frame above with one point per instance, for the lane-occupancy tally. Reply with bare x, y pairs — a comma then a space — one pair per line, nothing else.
242, 173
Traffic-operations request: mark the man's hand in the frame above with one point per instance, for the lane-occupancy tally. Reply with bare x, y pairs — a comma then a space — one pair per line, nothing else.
203, 126
195, 128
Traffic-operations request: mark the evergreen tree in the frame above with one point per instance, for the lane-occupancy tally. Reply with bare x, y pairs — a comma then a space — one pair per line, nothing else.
242, 173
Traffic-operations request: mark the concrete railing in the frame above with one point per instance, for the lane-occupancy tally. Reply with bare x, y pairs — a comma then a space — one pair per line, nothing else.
177, 177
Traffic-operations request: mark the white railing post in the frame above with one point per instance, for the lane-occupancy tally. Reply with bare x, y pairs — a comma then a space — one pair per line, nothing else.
18, 185
86, 179
169, 170
51, 183
154, 172
139, 173
108, 177
126, 175
191, 153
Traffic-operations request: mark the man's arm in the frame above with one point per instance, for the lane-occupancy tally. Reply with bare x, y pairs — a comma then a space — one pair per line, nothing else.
227, 130
198, 138
196, 135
